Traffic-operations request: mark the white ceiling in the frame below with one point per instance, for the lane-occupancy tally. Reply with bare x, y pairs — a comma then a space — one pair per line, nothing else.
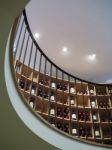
84, 26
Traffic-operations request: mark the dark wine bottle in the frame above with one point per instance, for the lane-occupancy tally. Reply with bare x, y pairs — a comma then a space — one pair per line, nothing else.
88, 134
40, 92
101, 104
59, 112
22, 83
81, 132
65, 87
43, 82
66, 113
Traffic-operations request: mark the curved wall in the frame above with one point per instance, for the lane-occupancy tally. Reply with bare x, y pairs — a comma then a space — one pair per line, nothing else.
35, 124
14, 135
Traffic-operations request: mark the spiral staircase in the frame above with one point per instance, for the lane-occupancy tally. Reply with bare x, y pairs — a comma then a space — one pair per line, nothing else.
14, 134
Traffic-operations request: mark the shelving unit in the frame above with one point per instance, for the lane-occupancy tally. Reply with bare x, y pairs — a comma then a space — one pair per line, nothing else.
80, 109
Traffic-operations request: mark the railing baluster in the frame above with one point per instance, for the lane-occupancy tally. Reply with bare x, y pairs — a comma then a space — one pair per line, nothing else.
19, 38
28, 68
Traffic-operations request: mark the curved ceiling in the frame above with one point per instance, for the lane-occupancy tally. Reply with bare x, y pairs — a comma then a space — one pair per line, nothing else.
83, 26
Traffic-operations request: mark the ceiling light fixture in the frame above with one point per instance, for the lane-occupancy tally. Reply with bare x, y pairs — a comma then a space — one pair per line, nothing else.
36, 35
92, 57
65, 49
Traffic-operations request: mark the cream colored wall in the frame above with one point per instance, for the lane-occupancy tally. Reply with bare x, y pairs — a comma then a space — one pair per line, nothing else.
14, 135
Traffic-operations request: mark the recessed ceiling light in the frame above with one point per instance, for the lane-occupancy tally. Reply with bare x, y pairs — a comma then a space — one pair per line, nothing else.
92, 57
37, 35
65, 49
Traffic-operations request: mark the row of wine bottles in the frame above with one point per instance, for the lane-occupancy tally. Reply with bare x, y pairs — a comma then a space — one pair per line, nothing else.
81, 131
63, 87
82, 115
104, 104
52, 96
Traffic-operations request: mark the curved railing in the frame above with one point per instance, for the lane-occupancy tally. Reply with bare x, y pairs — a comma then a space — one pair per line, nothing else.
77, 108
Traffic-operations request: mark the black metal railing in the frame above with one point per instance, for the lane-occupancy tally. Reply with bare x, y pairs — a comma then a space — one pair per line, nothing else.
71, 104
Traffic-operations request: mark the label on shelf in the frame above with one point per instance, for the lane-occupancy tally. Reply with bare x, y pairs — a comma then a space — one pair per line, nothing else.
32, 91
97, 133
74, 131
93, 104
72, 90
53, 124
94, 117
52, 98
73, 116
92, 91
52, 111
53, 85
32, 104
72, 102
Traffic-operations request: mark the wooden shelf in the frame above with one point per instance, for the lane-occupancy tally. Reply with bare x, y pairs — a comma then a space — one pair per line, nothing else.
56, 100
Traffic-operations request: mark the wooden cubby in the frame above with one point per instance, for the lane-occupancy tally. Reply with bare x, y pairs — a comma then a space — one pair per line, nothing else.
80, 109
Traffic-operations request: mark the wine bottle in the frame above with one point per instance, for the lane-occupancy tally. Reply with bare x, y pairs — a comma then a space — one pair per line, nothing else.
66, 112
59, 126
94, 117
40, 92
105, 105
66, 128
52, 98
22, 83
65, 87
59, 86
72, 100
101, 104
81, 132
74, 117
74, 131
33, 90
60, 114
93, 104
87, 132
72, 89
43, 82
32, 104
53, 84
92, 92
97, 133
52, 111
58, 111
79, 115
